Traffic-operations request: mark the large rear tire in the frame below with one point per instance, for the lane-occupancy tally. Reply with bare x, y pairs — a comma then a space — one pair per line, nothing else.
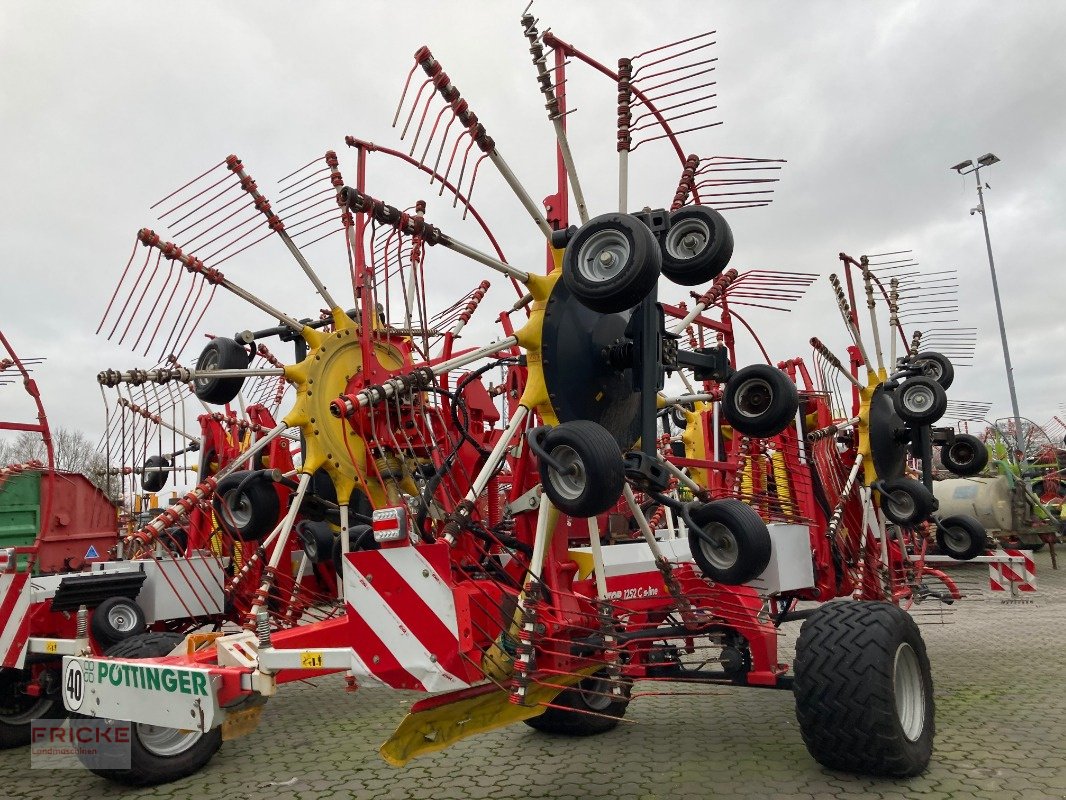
159, 755
864, 694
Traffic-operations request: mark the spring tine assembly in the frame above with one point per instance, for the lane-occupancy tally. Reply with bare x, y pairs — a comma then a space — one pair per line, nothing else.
674, 78
967, 410
438, 82
730, 182
555, 114
9, 376
308, 199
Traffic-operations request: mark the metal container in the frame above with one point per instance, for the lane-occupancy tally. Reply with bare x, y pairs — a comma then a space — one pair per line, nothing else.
989, 500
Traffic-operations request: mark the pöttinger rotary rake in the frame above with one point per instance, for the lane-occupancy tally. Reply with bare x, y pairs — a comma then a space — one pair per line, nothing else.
477, 547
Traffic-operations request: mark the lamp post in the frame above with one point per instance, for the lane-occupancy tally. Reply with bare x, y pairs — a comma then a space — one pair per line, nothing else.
965, 168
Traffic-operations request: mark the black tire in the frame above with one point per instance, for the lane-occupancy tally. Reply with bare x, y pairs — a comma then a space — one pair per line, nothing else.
864, 694
966, 455
147, 766
697, 247
920, 401
18, 710
936, 366
175, 539
360, 537
247, 510
585, 710
612, 263
115, 620
220, 353
151, 481
962, 537
732, 545
597, 475
316, 539
760, 401
906, 501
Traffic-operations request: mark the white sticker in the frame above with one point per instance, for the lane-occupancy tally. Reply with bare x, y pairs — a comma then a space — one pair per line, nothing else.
73, 685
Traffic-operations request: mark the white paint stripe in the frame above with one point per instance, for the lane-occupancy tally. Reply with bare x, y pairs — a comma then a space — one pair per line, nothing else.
11, 628
367, 679
411, 566
395, 635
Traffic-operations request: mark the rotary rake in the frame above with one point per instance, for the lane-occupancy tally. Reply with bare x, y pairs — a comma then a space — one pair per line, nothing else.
529, 549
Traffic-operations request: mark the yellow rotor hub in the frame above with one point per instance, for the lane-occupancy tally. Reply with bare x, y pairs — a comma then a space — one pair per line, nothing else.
333, 359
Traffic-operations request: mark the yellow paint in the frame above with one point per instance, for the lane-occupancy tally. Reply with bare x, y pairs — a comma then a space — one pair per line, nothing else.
332, 359
437, 728
51, 647
781, 484
695, 440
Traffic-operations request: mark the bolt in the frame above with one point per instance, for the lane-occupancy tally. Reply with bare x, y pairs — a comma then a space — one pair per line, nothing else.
425, 573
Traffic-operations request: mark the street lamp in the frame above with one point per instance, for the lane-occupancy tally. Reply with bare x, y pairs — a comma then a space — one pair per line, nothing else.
965, 168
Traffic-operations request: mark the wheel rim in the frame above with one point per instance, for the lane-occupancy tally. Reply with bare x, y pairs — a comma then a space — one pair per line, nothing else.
37, 707
909, 689
122, 618
596, 693
687, 239
166, 742
902, 504
753, 397
239, 509
961, 453
571, 482
956, 539
603, 255
719, 546
931, 369
918, 399
209, 362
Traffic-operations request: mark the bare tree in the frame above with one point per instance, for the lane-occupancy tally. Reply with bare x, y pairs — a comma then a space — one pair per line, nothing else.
73, 453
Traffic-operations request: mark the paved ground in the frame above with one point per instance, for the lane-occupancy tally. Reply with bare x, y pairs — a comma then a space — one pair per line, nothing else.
1000, 716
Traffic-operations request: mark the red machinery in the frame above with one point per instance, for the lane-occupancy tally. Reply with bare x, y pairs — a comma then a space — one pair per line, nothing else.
486, 575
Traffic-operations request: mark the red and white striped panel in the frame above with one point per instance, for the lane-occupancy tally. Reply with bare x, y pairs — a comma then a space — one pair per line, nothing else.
402, 616
14, 617
1002, 574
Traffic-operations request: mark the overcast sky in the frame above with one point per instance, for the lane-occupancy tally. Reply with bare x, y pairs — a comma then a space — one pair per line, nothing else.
107, 106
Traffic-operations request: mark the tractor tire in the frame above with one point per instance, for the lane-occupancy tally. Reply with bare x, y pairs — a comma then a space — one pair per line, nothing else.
595, 476
907, 502
152, 481
966, 456
18, 710
248, 513
220, 353
864, 694
961, 537
936, 366
760, 401
115, 620
585, 710
732, 545
159, 755
697, 247
920, 401
612, 263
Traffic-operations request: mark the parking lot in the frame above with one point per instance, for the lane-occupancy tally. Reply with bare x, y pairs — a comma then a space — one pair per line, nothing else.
1000, 717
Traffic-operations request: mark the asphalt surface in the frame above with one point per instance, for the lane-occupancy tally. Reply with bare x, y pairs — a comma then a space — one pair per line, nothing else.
1000, 721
